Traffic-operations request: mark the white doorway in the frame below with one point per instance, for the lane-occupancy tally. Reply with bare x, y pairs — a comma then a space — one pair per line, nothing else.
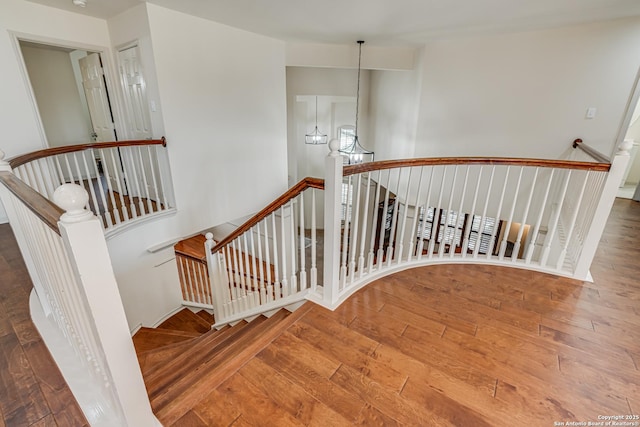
70, 93
630, 184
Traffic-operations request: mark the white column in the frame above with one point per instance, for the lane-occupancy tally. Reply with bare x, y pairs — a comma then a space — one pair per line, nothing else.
332, 220
218, 278
607, 197
86, 247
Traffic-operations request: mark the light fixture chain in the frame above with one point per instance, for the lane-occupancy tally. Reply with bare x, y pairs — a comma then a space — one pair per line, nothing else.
358, 86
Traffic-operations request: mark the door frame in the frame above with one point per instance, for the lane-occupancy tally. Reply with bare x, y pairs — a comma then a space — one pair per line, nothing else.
632, 102
108, 66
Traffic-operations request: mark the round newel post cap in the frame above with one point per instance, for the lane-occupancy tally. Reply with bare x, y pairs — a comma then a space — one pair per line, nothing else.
72, 198
3, 162
624, 147
209, 236
334, 147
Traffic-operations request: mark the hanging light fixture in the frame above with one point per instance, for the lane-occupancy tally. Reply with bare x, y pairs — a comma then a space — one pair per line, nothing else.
315, 137
355, 153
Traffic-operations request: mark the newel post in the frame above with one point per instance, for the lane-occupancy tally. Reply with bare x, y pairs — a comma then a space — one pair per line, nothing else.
217, 277
332, 223
601, 214
86, 248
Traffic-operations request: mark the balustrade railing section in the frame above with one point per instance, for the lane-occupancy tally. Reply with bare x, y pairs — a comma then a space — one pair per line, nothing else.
272, 260
126, 180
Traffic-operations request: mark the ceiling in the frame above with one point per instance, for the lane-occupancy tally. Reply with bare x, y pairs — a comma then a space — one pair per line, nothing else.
381, 22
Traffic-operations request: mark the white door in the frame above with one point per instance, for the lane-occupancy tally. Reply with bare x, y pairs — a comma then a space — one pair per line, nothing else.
95, 91
135, 93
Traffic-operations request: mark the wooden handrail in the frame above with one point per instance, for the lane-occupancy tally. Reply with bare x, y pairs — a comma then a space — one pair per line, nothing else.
280, 201
35, 155
591, 151
442, 161
44, 209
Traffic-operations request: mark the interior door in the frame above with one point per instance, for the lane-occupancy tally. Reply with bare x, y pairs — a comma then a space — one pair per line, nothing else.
135, 93
95, 91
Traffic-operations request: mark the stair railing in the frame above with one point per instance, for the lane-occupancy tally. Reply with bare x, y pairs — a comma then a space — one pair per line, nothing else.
65, 252
127, 181
382, 217
271, 260
536, 214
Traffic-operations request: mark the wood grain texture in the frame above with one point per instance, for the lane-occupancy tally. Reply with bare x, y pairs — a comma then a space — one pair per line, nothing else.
44, 209
505, 161
456, 345
35, 155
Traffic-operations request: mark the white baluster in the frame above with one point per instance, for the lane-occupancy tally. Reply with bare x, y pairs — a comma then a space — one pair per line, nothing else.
503, 244
132, 161
572, 223
348, 210
499, 211
460, 214
293, 284
313, 272
437, 215
425, 213
517, 244
400, 247
394, 222
536, 229
145, 184
353, 238
123, 205
103, 198
277, 285
283, 240
413, 242
363, 232
303, 273
383, 224
483, 219
374, 225
554, 222
465, 243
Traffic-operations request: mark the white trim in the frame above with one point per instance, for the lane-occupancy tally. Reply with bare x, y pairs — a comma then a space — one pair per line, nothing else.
632, 102
261, 309
108, 67
116, 230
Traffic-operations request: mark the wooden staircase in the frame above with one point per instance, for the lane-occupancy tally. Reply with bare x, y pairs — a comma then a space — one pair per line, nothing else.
183, 358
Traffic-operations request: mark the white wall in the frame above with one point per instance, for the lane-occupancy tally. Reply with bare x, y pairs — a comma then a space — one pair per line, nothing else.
224, 108
394, 107
63, 114
525, 94
336, 91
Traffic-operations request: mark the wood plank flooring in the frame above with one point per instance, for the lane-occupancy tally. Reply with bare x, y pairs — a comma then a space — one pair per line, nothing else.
454, 346
32, 390
440, 345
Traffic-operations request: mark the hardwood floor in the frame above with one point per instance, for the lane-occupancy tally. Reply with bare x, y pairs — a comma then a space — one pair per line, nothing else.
440, 345
455, 345
32, 390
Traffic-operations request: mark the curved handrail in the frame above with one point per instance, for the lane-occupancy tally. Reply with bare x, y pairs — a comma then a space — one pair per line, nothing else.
35, 155
443, 161
271, 207
591, 151
44, 209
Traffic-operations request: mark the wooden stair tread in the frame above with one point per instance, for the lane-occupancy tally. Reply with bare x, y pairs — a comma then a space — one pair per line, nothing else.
186, 320
201, 348
187, 363
192, 247
174, 401
208, 317
151, 360
147, 339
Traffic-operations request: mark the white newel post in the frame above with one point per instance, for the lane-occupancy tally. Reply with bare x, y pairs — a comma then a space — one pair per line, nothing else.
332, 223
217, 277
600, 216
22, 244
86, 247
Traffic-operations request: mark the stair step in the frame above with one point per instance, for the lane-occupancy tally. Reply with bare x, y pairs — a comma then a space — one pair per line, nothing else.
200, 348
153, 359
192, 247
208, 317
174, 400
147, 339
205, 349
186, 320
